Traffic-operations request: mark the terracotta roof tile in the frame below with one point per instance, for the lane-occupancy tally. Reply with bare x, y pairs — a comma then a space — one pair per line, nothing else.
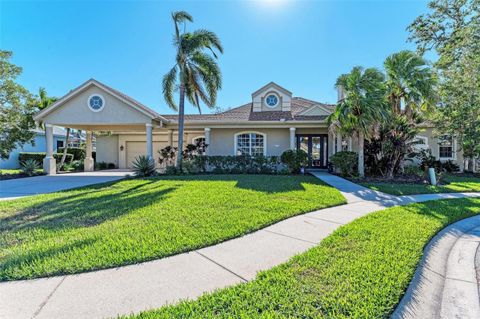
244, 113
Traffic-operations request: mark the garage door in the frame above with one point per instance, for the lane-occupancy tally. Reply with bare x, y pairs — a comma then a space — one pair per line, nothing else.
134, 149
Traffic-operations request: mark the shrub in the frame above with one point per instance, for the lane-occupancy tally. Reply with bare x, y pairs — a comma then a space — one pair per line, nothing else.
77, 152
346, 162
167, 155
171, 170
111, 166
427, 160
144, 166
242, 164
39, 156
450, 167
29, 167
413, 170
294, 159
100, 165
77, 165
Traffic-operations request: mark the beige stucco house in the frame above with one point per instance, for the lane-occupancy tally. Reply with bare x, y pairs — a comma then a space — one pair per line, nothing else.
270, 123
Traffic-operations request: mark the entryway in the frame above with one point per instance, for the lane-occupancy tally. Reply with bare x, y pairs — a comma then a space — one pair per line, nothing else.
316, 146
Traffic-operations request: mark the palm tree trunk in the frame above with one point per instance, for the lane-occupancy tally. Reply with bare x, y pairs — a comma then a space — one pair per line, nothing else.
181, 118
65, 147
361, 155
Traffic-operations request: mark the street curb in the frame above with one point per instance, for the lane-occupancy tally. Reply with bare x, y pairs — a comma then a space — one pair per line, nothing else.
444, 284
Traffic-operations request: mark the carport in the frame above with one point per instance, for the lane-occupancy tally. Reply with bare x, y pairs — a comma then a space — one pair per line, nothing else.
96, 107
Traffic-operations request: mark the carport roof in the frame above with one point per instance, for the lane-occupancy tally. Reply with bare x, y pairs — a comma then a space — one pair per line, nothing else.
92, 82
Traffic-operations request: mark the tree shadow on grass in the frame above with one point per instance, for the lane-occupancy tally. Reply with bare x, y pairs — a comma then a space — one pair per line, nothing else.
28, 257
90, 207
259, 183
447, 209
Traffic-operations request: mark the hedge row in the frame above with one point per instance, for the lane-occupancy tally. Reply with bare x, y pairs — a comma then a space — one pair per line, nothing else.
77, 152
233, 164
39, 156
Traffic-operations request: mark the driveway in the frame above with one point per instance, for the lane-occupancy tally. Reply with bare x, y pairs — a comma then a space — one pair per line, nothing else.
21, 187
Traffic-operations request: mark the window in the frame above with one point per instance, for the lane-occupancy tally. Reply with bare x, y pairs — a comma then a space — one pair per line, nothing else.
250, 144
446, 147
200, 142
420, 142
96, 103
271, 100
59, 144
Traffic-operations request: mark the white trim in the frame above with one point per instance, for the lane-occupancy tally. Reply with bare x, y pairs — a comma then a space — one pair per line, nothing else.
101, 98
137, 106
273, 84
420, 146
196, 137
454, 150
314, 107
250, 132
148, 124
271, 94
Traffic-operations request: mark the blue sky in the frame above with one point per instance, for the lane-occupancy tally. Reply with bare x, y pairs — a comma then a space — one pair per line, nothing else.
302, 45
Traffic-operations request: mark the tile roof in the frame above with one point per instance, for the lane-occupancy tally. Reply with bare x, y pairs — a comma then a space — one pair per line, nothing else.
244, 113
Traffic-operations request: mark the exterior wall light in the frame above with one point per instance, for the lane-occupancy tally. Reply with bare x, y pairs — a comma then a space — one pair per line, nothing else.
121, 148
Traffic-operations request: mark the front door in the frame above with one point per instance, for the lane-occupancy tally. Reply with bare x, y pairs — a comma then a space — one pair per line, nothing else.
316, 146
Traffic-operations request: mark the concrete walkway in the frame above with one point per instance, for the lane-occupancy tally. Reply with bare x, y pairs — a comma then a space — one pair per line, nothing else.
21, 187
445, 284
131, 289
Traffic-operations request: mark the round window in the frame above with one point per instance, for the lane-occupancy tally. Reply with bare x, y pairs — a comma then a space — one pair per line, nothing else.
272, 100
96, 103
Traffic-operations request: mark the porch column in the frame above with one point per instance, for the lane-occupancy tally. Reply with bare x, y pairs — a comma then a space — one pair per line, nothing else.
49, 163
88, 165
292, 138
170, 138
207, 140
149, 140
339, 142
350, 144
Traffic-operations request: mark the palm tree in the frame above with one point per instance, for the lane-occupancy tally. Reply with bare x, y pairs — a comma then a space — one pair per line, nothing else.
361, 107
410, 83
196, 73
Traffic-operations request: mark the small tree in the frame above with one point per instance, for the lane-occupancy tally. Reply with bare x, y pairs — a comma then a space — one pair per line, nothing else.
16, 108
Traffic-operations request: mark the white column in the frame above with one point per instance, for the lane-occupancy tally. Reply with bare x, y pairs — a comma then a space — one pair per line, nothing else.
350, 144
49, 163
88, 164
339, 142
207, 140
170, 137
292, 138
149, 140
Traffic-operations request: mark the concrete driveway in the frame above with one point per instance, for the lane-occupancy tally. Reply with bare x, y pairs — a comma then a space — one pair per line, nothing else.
21, 187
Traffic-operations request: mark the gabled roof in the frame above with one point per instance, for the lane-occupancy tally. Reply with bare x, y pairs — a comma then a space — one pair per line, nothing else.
244, 113
275, 85
92, 82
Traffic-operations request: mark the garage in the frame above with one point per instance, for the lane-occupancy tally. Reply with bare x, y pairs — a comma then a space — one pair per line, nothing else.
137, 148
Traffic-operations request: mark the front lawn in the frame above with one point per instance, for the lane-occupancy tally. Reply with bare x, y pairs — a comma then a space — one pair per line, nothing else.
136, 220
360, 271
450, 184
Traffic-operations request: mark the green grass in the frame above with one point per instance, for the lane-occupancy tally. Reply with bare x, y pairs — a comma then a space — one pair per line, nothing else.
136, 220
360, 271
16, 173
453, 184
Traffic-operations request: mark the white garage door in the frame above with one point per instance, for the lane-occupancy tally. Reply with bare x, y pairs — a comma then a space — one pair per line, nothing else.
134, 149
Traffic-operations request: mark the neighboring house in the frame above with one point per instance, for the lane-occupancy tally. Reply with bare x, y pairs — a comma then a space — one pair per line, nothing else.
38, 146
272, 122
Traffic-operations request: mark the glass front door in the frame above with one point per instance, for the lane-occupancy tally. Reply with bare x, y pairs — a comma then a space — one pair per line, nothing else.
316, 146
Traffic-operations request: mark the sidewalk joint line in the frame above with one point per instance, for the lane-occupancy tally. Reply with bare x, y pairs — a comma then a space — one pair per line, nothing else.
222, 266
325, 220
43, 304
280, 234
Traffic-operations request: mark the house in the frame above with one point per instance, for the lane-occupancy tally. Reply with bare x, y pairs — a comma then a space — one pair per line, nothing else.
38, 145
270, 123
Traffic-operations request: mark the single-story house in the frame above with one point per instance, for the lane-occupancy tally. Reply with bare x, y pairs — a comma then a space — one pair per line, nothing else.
270, 123
38, 145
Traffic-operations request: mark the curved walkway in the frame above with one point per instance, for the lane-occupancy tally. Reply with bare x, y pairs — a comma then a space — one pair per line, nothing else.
445, 284
130, 289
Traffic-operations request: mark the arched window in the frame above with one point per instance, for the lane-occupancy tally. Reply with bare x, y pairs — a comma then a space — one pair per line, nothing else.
250, 143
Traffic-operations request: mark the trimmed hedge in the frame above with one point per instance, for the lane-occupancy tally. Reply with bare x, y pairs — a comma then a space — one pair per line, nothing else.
77, 152
39, 156
233, 164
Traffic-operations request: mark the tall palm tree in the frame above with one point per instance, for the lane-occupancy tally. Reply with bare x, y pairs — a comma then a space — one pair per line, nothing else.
195, 74
410, 83
361, 107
